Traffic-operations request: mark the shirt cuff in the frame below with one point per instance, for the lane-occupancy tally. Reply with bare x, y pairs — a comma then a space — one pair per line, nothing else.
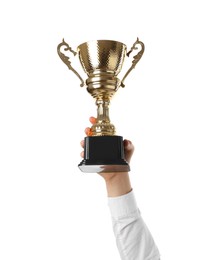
122, 206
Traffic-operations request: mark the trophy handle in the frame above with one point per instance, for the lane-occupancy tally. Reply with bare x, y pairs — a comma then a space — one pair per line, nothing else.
66, 60
136, 58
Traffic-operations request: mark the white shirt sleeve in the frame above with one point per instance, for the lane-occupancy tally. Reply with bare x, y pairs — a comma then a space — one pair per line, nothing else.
133, 238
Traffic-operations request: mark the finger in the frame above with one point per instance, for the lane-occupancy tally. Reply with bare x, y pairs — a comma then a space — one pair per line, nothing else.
88, 131
126, 142
82, 154
128, 145
92, 120
129, 149
82, 143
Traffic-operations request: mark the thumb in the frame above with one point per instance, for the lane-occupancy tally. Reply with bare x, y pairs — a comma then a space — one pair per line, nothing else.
129, 149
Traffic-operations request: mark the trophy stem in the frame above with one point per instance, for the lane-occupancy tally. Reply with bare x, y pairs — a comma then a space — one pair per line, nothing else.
103, 125
103, 111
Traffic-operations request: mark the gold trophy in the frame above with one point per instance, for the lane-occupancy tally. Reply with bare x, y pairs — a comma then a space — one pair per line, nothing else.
102, 61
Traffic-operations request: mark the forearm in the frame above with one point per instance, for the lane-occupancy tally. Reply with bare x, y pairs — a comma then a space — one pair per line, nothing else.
118, 184
134, 240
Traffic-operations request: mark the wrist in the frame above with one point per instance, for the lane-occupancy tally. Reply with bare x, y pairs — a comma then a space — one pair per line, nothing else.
118, 184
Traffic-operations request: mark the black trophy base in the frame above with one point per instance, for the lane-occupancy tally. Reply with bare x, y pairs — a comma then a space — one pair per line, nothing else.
104, 154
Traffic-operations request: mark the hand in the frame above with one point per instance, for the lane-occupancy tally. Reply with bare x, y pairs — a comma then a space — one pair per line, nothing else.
128, 146
118, 183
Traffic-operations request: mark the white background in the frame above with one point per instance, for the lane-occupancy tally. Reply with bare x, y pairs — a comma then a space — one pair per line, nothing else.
48, 208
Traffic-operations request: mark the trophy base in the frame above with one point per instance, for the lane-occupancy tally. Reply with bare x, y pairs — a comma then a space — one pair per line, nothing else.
104, 154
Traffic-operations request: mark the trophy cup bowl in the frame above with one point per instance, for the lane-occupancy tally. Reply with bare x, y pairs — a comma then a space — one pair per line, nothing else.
102, 56
102, 61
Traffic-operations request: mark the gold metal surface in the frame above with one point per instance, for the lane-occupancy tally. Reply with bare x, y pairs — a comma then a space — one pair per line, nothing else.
102, 125
66, 59
102, 61
136, 58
